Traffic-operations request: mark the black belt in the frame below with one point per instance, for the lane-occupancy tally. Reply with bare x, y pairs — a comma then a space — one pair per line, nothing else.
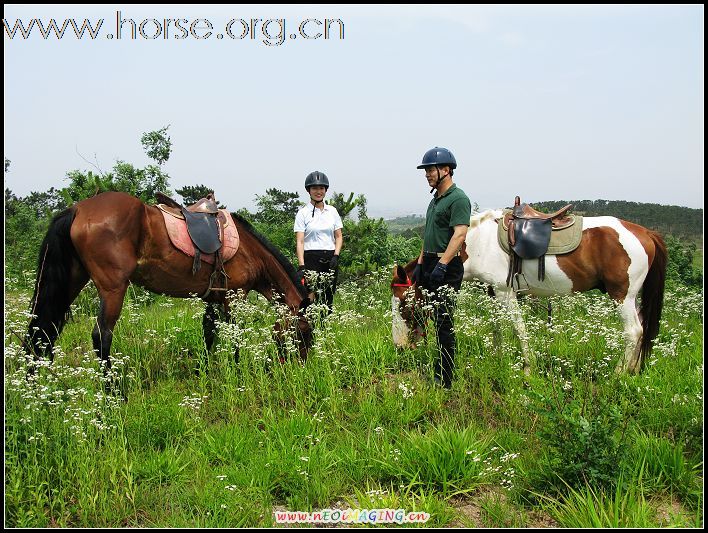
437, 254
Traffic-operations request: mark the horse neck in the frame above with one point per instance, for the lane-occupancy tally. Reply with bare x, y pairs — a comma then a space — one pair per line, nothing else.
280, 282
271, 279
487, 261
483, 229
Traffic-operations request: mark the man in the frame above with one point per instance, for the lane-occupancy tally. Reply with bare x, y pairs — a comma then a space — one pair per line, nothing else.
439, 269
318, 236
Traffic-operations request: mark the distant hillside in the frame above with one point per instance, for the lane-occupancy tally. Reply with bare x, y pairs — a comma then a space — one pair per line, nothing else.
682, 222
401, 224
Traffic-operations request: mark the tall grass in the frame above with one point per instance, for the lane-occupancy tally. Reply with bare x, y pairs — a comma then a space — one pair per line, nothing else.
587, 507
205, 442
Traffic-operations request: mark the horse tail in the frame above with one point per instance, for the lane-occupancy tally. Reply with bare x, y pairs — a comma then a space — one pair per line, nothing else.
653, 297
51, 298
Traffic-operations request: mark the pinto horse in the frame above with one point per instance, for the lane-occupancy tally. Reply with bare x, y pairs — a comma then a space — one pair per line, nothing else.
614, 256
115, 239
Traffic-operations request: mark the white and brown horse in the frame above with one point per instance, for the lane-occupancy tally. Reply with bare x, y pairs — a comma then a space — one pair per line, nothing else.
614, 256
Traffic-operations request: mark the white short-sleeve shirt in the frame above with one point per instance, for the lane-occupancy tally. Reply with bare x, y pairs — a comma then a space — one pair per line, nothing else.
318, 228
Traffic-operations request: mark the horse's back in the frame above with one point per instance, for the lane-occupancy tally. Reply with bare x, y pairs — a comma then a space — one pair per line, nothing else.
636, 240
614, 256
109, 201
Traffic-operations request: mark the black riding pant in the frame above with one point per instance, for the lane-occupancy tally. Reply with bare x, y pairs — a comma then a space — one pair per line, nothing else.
324, 286
444, 299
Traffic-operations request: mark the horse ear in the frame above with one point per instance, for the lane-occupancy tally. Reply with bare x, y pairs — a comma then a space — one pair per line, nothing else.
401, 273
463, 252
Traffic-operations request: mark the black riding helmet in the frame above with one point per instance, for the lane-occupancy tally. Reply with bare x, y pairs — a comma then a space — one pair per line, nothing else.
436, 157
316, 178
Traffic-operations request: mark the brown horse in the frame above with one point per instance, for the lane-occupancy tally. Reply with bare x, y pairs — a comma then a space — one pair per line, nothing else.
115, 239
614, 256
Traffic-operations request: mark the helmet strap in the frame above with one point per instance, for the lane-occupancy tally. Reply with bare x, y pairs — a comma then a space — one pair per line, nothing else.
314, 205
437, 182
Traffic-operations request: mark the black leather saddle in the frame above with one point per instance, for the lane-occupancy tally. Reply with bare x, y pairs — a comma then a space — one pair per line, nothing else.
203, 225
529, 233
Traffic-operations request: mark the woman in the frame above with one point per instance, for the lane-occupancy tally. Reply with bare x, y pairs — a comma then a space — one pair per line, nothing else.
318, 233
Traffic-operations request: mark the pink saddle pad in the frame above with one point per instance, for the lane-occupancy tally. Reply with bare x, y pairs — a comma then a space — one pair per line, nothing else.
177, 230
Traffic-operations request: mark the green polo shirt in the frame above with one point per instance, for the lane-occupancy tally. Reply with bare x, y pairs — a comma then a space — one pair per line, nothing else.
444, 213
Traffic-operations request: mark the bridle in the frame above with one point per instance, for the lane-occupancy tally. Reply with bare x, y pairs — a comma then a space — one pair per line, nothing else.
408, 284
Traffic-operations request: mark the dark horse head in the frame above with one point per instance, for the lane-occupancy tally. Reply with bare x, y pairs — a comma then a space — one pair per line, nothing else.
408, 322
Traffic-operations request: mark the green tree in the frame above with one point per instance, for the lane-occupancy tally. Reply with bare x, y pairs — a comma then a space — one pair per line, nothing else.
24, 231
277, 207
193, 193
367, 242
10, 203
142, 183
345, 207
83, 185
157, 145
680, 267
44, 204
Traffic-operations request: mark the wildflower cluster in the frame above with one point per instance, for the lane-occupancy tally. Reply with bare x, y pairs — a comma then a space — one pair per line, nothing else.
193, 402
406, 390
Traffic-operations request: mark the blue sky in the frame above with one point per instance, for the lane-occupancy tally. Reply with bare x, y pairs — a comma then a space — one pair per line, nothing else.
548, 102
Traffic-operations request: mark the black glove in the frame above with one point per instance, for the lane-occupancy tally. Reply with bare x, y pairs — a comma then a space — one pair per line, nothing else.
333, 262
438, 273
416, 276
301, 274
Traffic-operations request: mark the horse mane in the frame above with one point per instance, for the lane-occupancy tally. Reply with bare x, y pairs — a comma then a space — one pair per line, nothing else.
478, 218
284, 261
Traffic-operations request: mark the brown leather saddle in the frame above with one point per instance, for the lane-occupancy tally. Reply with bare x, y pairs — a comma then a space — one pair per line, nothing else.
205, 225
529, 233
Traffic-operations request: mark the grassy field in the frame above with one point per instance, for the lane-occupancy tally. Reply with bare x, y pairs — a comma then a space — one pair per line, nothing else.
359, 425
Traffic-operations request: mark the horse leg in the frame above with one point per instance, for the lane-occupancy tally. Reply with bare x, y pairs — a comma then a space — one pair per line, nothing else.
209, 325
112, 284
227, 317
209, 331
496, 332
111, 305
508, 298
632, 336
